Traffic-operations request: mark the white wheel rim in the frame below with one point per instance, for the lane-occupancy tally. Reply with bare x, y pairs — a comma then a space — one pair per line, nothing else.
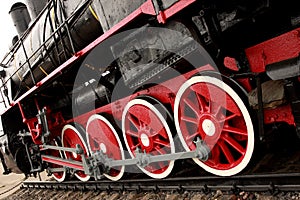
159, 115
68, 126
243, 109
103, 119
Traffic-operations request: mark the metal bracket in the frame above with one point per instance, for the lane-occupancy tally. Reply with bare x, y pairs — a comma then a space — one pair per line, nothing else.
260, 113
42, 119
29, 154
160, 5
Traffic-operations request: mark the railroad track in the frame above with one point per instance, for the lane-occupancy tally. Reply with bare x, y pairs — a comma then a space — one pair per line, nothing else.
278, 179
256, 183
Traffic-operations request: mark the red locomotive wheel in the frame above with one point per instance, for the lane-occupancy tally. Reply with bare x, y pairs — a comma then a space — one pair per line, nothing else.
70, 137
209, 109
58, 176
101, 135
145, 128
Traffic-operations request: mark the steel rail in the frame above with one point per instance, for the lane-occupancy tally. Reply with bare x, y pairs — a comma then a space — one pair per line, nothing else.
252, 183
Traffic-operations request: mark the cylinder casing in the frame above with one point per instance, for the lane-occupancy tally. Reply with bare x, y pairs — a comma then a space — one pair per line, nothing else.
20, 17
35, 7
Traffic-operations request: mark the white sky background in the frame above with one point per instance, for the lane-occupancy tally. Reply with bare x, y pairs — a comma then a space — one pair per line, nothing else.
7, 29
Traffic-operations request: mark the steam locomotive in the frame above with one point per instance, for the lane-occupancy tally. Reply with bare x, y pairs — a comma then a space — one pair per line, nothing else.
99, 88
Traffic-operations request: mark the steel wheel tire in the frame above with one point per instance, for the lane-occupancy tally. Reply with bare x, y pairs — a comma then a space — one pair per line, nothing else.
210, 109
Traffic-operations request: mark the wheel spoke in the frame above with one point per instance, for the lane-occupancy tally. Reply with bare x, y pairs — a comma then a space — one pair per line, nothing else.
191, 144
226, 152
162, 132
202, 102
227, 118
192, 137
215, 155
217, 110
154, 124
214, 108
210, 107
192, 105
134, 121
161, 151
229, 140
163, 143
158, 165
189, 119
234, 130
132, 133
162, 165
133, 148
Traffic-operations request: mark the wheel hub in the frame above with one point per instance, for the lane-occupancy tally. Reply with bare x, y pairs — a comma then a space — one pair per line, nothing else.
208, 127
103, 148
145, 140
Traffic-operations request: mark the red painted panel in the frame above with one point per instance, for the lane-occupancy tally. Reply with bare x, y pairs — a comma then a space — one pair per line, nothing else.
164, 92
279, 114
280, 48
231, 63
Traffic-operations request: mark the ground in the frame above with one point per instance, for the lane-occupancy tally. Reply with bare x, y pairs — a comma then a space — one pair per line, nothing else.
11, 183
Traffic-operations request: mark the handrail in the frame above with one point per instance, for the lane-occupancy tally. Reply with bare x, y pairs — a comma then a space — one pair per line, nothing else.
31, 25
145, 9
42, 49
